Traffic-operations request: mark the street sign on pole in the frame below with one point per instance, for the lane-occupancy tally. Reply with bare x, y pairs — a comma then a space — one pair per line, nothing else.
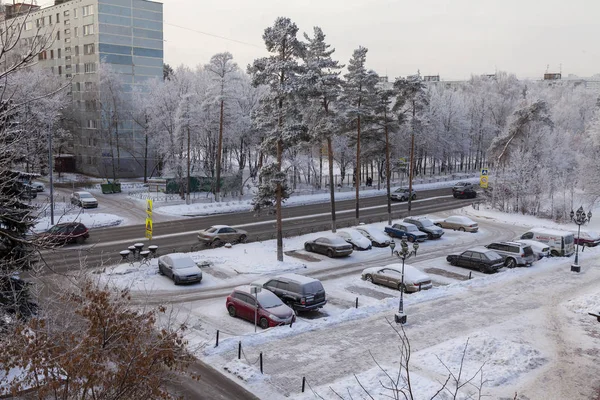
149, 228
149, 207
483, 178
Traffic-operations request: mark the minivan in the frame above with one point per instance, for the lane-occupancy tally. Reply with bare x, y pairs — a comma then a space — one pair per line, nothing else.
300, 292
561, 243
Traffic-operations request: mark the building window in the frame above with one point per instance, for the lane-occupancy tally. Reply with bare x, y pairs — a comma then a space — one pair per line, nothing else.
59, 70
76, 50
88, 10
68, 59
76, 87
91, 123
89, 48
57, 35
66, 13
52, 54
58, 53
76, 31
50, 19
77, 68
68, 76
75, 13
67, 22
89, 68
67, 50
89, 86
67, 40
42, 55
88, 29
67, 31
28, 25
90, 105
57, 18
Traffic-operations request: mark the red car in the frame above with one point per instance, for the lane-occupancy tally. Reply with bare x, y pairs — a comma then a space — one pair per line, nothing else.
271, 310
68, 232
587, 239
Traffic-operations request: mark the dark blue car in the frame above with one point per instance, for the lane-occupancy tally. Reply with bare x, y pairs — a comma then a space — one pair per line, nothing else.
411, 232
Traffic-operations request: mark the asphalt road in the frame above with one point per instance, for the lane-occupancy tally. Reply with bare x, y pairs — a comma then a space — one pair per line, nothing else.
103, 246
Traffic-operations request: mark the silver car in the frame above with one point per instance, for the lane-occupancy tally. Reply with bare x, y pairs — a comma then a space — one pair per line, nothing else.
179, 267
514, 253
402, 194
218, 235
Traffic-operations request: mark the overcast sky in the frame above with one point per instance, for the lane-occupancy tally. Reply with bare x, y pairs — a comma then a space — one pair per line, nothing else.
452, 38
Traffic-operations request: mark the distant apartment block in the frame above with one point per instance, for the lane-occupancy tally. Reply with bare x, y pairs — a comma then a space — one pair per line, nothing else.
125, 34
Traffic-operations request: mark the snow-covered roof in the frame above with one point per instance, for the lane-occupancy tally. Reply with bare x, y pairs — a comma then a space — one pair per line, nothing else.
298, 278
546, 231
220, 226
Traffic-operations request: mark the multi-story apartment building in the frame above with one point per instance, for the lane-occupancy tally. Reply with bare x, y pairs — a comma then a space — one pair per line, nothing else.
125, 34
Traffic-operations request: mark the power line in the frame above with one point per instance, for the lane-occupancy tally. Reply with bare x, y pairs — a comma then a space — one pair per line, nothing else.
215, 36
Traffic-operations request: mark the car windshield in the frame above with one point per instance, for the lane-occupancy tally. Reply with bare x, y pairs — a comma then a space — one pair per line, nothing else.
85, 196
268, 299
183, 262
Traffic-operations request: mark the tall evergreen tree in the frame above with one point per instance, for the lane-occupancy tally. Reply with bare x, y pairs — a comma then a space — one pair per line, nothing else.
281, 72
360, 99
323, 85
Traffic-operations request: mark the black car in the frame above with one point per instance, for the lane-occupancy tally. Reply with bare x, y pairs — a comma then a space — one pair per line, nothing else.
466, 193
298, 291
69, 232
333, 246
426, 225
478, 258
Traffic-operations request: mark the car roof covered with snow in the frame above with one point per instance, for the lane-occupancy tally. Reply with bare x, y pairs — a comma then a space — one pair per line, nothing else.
298, 278
552, 232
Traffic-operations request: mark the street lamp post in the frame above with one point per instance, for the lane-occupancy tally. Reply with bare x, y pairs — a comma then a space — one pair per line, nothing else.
404, 253
579, 218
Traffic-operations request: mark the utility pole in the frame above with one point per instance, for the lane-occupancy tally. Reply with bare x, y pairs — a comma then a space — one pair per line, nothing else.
387, 167
357, 169
187, 199
219, 151
412, 155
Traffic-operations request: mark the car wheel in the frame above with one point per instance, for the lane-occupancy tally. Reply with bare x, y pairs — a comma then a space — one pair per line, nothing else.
307, 247
461, 229
453, 263
264, 323
160, 271
510, 263
414, 196
216, 243
403, 199
554, 253
176, 280
354, 247
482, 269
243, 239
231, 310
402, 288
411, 239
330, 253
429, 236
79, 240
369, 278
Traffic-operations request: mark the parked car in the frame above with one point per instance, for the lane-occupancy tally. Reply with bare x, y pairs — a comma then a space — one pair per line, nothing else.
479, 258
466, 193
562, 243
377, 238
402, 229
69, 232
391, 275
460, 186
264, 305
540, 250
179, 267
587, 239
300, 292
218, 235
84, 200
331, 246
356, 239
426, 225
38, 186
514, 254
402, 194
458, 222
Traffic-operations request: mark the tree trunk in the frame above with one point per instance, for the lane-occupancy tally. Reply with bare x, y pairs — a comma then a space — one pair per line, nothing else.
331, 183
357, 173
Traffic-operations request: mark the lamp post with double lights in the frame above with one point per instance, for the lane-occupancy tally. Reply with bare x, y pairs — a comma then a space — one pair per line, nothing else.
404, 253
579, 218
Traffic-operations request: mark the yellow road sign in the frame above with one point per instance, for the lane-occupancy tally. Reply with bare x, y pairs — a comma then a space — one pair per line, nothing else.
149, 207
148, 235
483, 182
149, 225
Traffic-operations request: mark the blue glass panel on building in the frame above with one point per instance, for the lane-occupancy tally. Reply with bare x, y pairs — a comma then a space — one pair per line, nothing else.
114, 20
148, 5
154, 16
122, 69
140, 51
115, 10
115, 59
114, 49
146, 24
114, 39
145, 33
147, 61
142, 78
153, 71
148, 43
122, 3
116, 29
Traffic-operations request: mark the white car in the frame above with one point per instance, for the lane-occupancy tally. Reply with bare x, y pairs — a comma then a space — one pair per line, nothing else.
458, 222
356, 239
377, 237
39, 186
540, 250
84, 200
391, 275
179, 267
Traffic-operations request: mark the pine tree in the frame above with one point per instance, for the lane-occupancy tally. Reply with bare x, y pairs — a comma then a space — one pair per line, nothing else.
282, 126
322, 86
359, 99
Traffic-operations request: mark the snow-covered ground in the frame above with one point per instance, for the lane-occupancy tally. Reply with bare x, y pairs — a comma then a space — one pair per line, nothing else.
527, 327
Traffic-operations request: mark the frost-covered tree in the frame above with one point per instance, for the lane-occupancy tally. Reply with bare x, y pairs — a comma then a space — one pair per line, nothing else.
281, 72
359, 99
322, 85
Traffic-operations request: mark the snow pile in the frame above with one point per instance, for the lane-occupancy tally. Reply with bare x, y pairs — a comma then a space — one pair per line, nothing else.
244, 371
97, 220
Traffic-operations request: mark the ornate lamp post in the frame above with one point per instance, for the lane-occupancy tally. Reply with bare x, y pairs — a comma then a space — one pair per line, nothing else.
579, 218
404, 253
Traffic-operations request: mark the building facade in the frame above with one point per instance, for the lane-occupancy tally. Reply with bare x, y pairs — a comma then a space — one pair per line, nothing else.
124, 35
